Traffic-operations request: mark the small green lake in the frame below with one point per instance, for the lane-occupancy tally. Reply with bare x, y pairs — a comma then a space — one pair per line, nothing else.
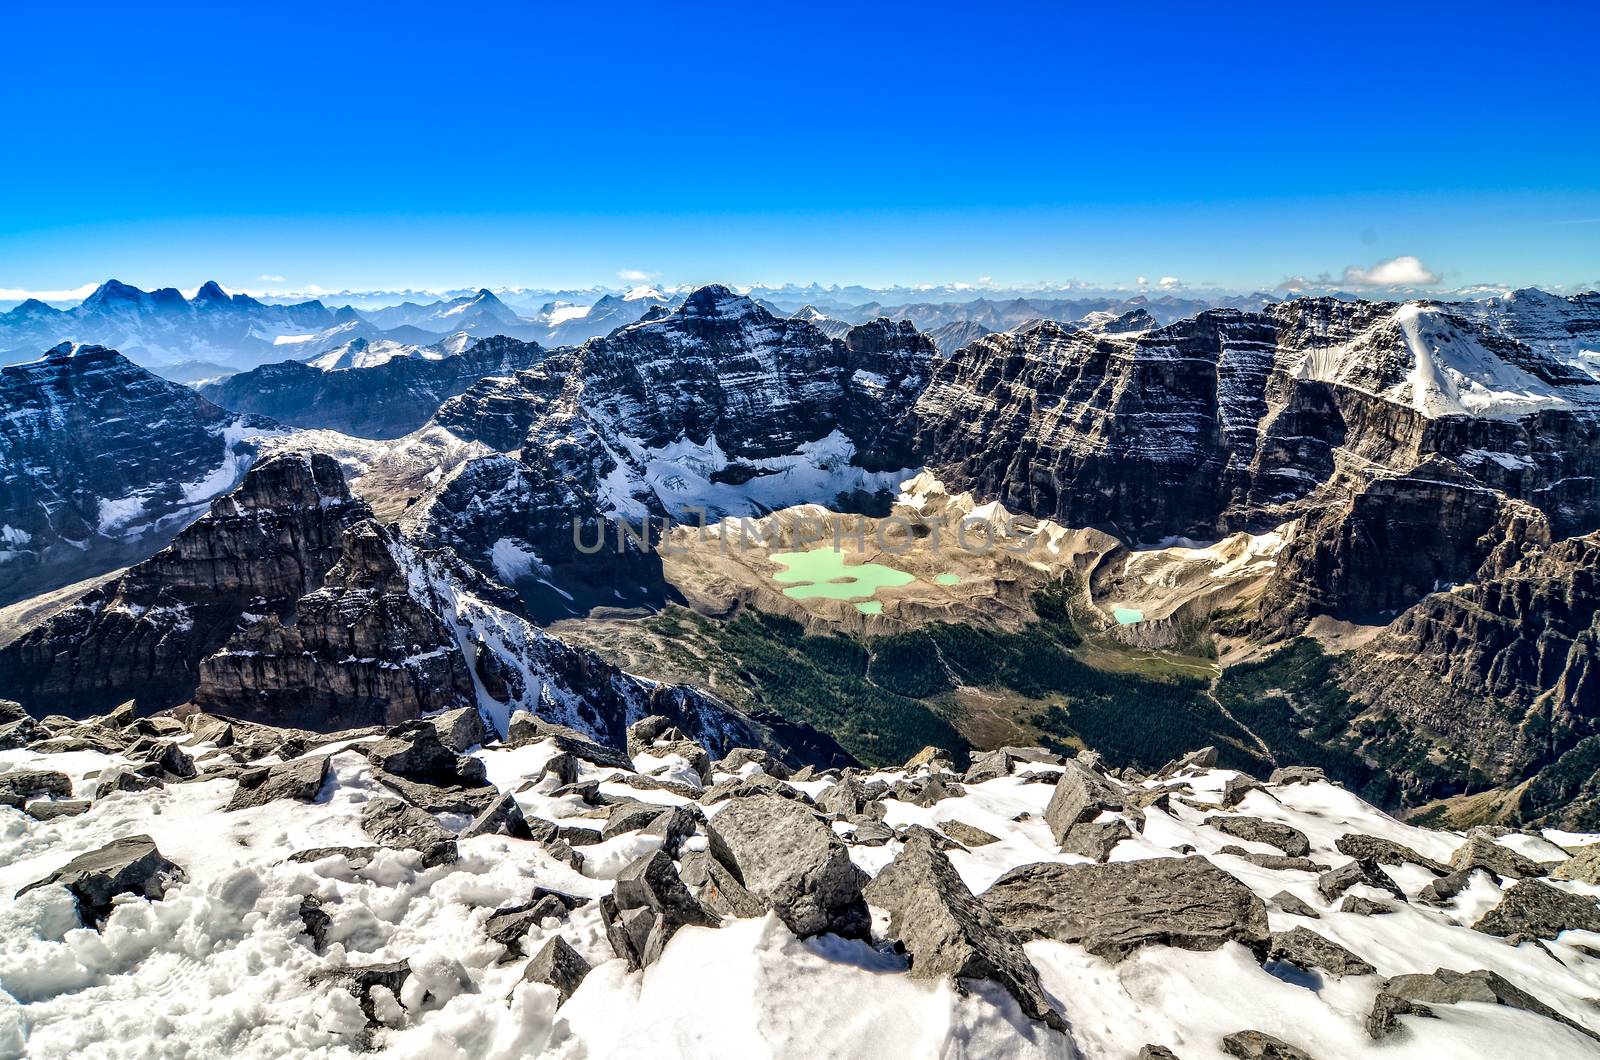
1127, 616
947, 579
871, 607
822, 572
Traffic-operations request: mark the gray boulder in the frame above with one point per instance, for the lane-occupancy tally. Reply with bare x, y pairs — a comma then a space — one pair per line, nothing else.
49, 810
460, 730
948, 932
1538, 909
416, 752
739, 757
1297, 775
393, 824
557, 964
1291, 841
648, 907
967, 835
1582, 867
1095, 839
527, 728
301, 780
1412, 994
1385, 852
1482, 852
127, 866
1446, 887
630, 817
1257, 1045
17, 786
788, 857
1080, 796
1292, 903
718, 888
361, 978
1114, 909
1336, 881
502, 817
1307, 949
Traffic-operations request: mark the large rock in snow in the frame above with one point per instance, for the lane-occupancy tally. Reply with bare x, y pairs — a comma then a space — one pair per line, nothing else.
1412, 994
1114, 909
1291, 841
1533, 908
1080, 795
301, 780
948, 932
127, 866
787, 856
648, 907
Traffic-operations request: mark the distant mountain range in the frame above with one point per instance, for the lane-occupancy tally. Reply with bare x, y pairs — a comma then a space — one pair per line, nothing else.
214, 334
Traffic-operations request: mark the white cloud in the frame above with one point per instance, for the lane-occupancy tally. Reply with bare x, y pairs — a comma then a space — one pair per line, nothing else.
636, 275
1143, 281
985, 281
1404, 271
1169, 283
268, 278
76, 294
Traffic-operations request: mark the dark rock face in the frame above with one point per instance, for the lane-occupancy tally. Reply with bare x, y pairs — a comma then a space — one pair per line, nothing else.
1114, 909
359, 651
1239, 420
142, 636
782, 853
1510, 659
126, 866
383, 401
948, 932
101, 462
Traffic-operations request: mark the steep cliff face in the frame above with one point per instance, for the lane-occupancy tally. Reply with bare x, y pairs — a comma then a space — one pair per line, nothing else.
1504, 671
101, 462
382, 401
1372, 423
358, 650
258, 550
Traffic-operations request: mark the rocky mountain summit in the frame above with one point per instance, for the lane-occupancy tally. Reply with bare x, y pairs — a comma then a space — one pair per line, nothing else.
436, 887
715, 408
101, 462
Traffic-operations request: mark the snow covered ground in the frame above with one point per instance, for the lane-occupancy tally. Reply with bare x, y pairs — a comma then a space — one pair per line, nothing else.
221, 965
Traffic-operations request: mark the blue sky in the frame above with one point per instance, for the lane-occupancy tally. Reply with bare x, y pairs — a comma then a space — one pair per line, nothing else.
876, 143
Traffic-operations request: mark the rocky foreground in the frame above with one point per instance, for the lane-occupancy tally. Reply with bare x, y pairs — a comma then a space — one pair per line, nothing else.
211, 887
